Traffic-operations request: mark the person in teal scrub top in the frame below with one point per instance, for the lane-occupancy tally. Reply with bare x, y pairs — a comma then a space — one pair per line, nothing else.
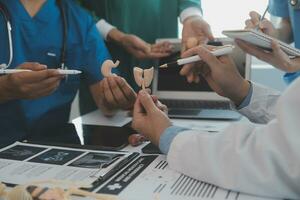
288, 31
131, 26
35, 100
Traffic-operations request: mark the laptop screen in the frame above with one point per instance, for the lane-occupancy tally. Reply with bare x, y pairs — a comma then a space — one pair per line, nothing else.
169, 79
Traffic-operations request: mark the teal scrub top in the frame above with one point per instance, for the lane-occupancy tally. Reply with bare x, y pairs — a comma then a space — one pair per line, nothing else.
39, 39
283, 8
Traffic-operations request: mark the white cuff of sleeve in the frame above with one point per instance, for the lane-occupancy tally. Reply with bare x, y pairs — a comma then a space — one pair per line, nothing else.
189, 12
104, 28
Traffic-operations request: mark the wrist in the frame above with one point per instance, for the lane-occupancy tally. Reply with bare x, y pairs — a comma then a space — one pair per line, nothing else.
160, 132
115, 35
241, 92
190, 19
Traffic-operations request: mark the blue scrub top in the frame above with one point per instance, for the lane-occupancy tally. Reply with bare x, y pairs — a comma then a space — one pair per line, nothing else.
283, 8
39, 39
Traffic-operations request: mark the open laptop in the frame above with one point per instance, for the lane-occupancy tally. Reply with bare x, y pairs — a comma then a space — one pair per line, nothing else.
196, 101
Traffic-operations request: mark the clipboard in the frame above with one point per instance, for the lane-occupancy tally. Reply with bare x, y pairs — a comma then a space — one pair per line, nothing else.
262, 40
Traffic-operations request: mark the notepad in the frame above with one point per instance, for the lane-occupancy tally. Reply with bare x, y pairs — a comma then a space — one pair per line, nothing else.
261, 40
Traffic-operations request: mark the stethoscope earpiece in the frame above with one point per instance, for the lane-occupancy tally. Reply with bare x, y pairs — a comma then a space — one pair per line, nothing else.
293, 2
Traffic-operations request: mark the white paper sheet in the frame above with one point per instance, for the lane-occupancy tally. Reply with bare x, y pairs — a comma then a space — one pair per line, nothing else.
97, 118
150, 178
23, 163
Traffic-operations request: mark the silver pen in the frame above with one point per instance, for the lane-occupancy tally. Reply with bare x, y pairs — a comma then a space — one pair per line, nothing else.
262, 18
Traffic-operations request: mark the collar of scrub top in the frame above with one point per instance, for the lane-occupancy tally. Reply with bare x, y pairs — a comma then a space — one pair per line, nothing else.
6, 15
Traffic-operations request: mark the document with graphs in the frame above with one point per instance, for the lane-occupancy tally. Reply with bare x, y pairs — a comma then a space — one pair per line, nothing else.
22, 163
150, 178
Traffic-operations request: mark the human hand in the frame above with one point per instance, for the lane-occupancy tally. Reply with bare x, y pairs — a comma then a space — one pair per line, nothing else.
276, 57
115, 94
161, 49
138, 47
220, 73
143, 50
195, 28
148, 119
265, 25
32, 85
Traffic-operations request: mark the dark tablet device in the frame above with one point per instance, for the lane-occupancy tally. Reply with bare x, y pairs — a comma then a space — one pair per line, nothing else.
88, 136
106, 136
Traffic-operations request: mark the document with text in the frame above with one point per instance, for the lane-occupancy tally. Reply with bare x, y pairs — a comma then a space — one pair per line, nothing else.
22, 163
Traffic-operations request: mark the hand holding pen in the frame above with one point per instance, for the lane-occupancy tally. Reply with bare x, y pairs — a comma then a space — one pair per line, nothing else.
37, 83
259, 22
189, 69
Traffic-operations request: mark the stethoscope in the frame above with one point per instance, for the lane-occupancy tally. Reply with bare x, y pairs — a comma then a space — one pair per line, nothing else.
295, 4
5, 13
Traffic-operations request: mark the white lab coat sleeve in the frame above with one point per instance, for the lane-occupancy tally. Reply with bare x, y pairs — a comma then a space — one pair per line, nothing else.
261, 108
246, 157
104, 28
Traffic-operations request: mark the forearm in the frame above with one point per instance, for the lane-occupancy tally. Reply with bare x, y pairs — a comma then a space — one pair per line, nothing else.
243, 158
115, 36
5, 93
109, 32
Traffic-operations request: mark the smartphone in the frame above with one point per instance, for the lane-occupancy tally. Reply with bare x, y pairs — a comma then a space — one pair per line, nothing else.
91, 137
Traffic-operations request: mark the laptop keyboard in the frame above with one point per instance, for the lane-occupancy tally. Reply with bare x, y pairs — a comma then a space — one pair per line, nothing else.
196, 104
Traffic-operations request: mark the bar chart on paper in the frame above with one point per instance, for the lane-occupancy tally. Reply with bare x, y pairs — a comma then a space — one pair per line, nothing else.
150, 178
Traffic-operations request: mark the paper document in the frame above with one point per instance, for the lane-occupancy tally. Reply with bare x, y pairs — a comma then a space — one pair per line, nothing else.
22, 163
150, 178
97, 118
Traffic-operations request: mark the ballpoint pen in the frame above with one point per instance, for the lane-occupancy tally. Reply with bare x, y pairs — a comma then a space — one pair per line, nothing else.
226, 49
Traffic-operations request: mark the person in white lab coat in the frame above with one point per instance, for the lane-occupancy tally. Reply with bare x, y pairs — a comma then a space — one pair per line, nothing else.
261, 159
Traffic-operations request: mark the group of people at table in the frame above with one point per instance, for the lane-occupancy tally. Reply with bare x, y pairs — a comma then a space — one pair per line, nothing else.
260, 157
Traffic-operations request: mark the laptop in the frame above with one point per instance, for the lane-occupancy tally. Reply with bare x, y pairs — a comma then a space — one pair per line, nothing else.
196, 101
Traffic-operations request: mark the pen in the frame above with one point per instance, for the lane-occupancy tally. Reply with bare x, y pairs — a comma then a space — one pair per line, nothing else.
13, 71
261, 18
226, 49
118, 166
60, 71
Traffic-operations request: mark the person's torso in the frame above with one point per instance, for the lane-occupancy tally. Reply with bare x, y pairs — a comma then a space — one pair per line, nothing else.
39, 39
148, 19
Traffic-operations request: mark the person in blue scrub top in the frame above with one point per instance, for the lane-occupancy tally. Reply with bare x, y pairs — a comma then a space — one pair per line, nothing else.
31, 101
288, 31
